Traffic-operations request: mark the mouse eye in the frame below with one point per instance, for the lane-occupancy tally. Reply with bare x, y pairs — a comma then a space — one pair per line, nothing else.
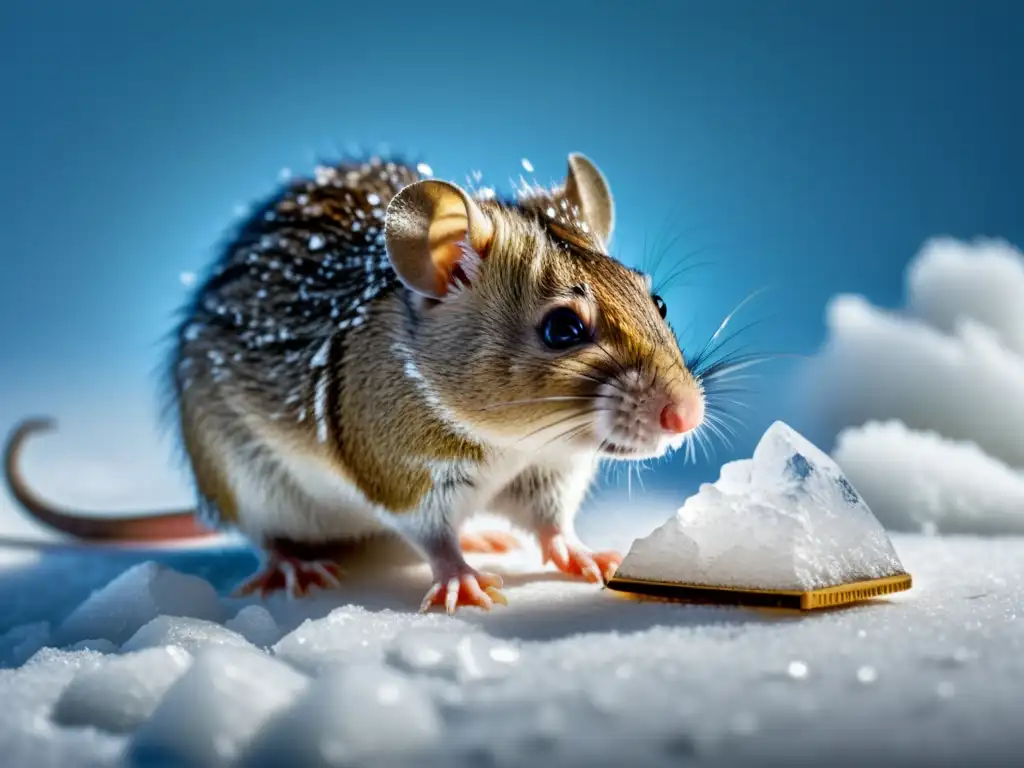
660, 304
562, 328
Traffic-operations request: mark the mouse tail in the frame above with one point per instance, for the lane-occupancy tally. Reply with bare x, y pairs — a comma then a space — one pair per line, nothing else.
162, 527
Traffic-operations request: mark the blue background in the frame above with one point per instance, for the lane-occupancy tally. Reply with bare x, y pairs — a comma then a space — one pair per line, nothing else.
808, 148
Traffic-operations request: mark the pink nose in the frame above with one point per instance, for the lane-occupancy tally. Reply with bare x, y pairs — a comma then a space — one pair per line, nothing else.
674, 420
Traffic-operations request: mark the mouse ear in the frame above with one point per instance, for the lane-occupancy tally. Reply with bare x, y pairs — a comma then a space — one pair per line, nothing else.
432, 228
587, 189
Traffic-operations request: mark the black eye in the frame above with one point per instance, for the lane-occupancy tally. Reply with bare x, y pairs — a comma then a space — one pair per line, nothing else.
562, 328
660, 304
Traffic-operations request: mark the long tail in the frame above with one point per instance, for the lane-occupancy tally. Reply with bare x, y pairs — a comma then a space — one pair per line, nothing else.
161, 527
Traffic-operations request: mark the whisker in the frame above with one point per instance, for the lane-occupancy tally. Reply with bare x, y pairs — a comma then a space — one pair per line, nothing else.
720, 422
552, 399
619, 367
732, 314
588, 414
712, 425
567, 434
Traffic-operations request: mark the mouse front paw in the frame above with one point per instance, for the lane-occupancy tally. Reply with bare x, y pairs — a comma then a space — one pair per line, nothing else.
464, 587
572, 557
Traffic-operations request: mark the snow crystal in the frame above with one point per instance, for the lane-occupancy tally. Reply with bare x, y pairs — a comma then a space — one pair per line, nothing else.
136, 597
386, 716
188, 279
191, 634
122, 692
527, 165
212, 712
255, 624
425, 169
786, 519
918, 480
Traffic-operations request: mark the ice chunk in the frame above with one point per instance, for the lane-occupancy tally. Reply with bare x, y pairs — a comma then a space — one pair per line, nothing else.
136, 597
460, 657
122, 693
191, 634
352, 633
209, 716
786, 519
385, 716
256, 625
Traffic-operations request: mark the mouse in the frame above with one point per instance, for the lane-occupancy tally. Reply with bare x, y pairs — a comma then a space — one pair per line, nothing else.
377, 355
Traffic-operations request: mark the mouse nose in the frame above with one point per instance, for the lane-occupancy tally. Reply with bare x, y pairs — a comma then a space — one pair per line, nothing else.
677, 418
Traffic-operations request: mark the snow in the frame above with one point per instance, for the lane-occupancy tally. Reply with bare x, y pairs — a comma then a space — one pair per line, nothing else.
934, 389
387, 716
121, 693
255, 624
786, 519
567, 675
193, 635
210, 715
921, 481
137, 596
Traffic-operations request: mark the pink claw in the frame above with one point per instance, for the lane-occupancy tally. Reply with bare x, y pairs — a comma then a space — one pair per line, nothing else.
469, 588
294, 576
572, 557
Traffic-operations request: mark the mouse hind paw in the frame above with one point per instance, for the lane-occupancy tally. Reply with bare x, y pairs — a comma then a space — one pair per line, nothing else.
488, 542
293, 576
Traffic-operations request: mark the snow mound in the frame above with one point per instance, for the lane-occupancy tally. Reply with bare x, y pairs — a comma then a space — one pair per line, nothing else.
136, 597
950, 368
351, 634
920, 481
785, 519
122, 692
210, 715
458, 657
191, 634
386, 716
255, 624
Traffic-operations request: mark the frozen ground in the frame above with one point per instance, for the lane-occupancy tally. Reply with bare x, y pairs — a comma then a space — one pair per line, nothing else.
566, 675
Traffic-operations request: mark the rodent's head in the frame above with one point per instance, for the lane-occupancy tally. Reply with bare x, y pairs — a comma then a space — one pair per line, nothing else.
526, 333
